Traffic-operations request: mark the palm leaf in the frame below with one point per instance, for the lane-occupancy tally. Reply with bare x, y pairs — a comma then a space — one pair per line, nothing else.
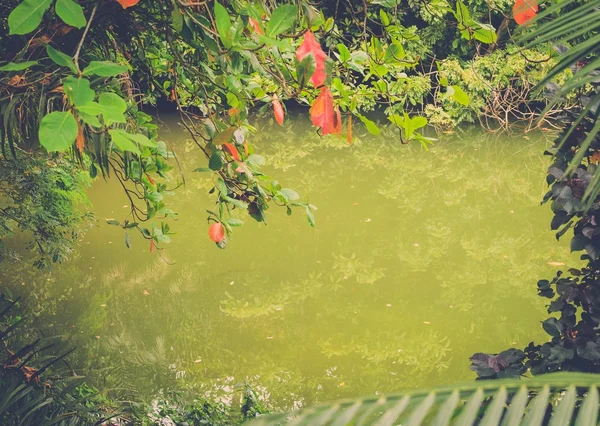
572, 26
555, 399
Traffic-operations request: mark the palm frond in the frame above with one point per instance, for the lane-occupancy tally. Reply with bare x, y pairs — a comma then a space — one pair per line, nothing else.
572, 28
554, 399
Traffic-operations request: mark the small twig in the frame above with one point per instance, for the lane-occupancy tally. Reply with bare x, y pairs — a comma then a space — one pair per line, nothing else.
87, 28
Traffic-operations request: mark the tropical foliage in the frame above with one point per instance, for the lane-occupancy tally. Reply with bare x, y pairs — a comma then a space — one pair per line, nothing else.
555, 399
83, 72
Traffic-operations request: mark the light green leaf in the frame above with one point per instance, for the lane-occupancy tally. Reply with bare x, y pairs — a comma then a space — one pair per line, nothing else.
485, 33
370, 125
344, 52
61, 59
113, 108
58, 131
18, 66
123, 142
27, 16
290, 194
137, 138
91, 120
460, 96
104, 69
223, 23
78, 90
282, 20
91, 108
71, 13
394, 52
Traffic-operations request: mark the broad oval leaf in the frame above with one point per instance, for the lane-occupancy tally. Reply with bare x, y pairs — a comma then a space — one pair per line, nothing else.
71, 13
460, 96
223, 23
123, 142
282, 19
104, 69
216, 232
58, 131
27, 16
78, 91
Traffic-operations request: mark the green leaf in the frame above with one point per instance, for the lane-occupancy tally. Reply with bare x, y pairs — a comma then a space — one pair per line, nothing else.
104, 69
215, 162
394, 52
123, 142
137, 138
58, 131
113, 108
27, 16
61, 59
71, 13
310, 216
290, 194
281, 20
234, 222
344, 52
462, 13
460, 96
370, 125
223, 23
78, 90
485, 33
176, 18
203, 169
18, 66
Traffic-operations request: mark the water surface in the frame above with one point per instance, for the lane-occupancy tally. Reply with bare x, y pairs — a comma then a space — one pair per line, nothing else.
418, 260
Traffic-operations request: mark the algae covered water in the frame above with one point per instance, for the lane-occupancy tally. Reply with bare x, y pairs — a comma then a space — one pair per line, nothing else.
418, 260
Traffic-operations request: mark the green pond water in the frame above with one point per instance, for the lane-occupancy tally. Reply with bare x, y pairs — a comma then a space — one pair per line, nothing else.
418, 260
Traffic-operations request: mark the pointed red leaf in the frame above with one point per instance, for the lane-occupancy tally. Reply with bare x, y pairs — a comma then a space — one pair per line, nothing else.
311, 46
128, 3
216, 232
278, 110
232, 150
80, 139
524, 11
323, 114
255, 26
152, 246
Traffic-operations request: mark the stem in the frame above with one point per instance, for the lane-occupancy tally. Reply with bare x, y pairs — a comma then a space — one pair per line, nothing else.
87, 28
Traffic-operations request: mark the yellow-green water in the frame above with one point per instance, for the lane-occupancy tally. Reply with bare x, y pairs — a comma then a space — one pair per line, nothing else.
418, 260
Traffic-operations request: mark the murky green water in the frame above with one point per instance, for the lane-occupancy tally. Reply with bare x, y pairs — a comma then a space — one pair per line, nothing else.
419, 259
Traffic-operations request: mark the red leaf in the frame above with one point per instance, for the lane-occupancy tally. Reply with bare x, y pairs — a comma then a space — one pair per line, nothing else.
255, 26
216, 232
324, 115
152, 246
128, 3
349, 130
278, 110
232, 150
337, 124
524, 11
150, 179
311, 46
80, 139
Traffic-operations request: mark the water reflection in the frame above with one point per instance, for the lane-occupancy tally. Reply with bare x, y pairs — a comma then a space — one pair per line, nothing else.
418, 260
